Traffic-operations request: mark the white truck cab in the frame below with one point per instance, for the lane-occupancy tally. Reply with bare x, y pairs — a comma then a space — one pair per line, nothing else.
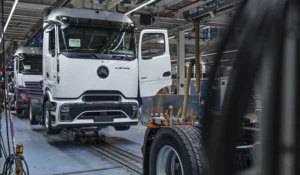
93, 72
27, 75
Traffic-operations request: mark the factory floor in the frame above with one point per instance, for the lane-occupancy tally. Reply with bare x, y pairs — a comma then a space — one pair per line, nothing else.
59, 154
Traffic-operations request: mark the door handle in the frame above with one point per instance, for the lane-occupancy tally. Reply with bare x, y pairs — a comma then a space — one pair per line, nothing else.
47, 74
167, 74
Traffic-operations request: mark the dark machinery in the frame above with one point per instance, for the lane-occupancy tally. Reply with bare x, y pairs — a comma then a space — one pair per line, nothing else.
228, 142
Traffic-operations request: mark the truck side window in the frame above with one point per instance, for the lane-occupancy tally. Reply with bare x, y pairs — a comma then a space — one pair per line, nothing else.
52, 42
153, 45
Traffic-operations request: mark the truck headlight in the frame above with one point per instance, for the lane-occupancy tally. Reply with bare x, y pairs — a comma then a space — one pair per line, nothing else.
65, 117
64, 113
64, 108
135, 107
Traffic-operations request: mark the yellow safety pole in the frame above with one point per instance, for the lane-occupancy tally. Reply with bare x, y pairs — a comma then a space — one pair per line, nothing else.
19, 153
187, 89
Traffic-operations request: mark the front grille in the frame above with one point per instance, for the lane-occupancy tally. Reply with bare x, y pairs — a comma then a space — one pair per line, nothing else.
76, 109
33, 89
95, 98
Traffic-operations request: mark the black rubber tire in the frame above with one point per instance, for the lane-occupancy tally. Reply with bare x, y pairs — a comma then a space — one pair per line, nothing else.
187, 142
49, 130
19, 111
122, 128
32, 114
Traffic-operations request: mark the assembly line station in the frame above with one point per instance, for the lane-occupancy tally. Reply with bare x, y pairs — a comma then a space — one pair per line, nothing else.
193, 33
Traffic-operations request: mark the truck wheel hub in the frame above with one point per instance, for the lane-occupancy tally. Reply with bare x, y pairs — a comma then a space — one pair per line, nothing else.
168, 162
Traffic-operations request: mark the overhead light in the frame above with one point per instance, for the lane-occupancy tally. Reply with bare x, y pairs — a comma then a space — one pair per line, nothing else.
9, 17
139, 7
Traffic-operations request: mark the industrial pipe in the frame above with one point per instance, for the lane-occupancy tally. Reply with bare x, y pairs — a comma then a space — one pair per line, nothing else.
197, 57
175, 10
187, 89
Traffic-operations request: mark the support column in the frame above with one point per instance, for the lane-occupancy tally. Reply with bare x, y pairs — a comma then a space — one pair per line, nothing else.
197, 58
181, 63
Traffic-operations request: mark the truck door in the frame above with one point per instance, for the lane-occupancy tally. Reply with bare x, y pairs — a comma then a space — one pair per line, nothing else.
49, 54
154, 62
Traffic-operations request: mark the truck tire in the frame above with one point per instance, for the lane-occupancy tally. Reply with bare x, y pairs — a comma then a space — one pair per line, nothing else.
177, 150
32, 112
122, 128
47, 120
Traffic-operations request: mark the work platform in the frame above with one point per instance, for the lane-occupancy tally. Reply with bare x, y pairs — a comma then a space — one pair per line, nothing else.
60, 154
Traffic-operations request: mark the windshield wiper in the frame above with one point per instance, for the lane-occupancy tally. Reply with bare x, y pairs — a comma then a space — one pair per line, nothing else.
90, 52
95, 55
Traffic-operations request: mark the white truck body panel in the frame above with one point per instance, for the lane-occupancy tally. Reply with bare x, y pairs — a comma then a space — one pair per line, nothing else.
151, 71
23, 78
80, 75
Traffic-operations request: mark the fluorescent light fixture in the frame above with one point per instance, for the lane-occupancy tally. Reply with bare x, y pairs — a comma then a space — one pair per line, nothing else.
9, 17
139, 7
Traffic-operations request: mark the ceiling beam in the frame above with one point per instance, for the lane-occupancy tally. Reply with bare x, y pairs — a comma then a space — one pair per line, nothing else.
19, 26
21, 22
24, 16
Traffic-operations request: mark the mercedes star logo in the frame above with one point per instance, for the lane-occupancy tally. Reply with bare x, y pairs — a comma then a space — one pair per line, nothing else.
102, 72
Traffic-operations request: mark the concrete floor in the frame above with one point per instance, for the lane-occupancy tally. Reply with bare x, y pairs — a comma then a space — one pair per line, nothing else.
59, 155
131, 140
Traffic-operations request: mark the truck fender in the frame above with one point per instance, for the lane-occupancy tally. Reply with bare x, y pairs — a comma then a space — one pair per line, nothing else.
47, 97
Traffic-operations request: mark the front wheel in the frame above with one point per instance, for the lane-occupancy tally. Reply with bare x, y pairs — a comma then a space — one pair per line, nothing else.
47, 120
177, 150
32, 114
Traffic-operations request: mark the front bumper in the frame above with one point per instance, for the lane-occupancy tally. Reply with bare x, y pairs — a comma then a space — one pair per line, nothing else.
85, 114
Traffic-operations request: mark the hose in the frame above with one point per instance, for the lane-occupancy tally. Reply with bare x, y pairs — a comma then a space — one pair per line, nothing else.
8, 167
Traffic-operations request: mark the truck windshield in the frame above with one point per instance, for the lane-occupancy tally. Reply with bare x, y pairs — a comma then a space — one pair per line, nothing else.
96, 40
31, 64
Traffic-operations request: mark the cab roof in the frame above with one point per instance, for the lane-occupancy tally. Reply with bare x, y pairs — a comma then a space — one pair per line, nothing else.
87, 13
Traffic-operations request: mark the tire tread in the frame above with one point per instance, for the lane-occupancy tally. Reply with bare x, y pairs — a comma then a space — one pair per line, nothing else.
192, 138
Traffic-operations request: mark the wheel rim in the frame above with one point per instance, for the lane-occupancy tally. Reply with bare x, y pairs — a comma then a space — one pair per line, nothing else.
46, 117
168, 162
